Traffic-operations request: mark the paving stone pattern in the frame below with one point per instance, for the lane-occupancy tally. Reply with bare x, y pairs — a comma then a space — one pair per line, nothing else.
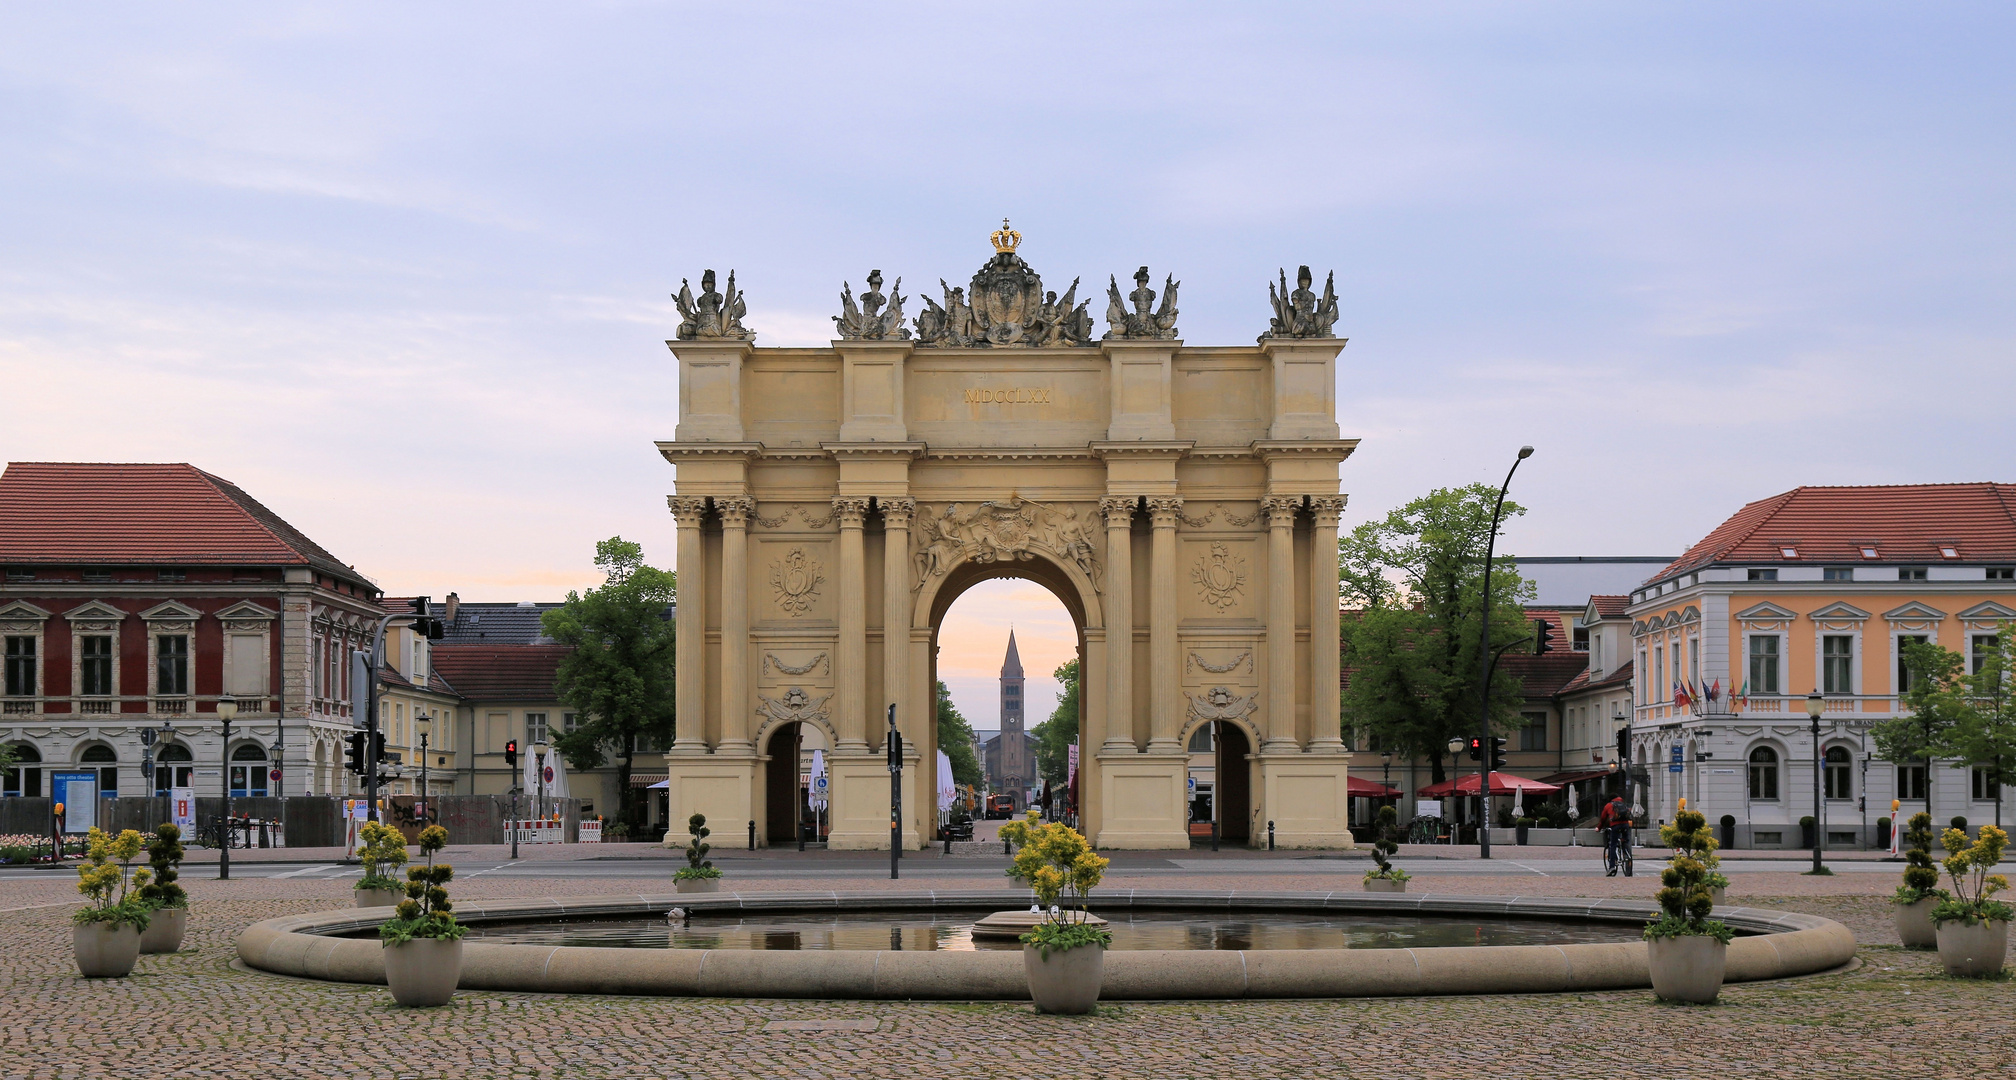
196, 1015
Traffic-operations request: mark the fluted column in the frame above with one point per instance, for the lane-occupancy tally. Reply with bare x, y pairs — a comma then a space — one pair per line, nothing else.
1279, 736
851, 655
1163, 716
734, 511
896, 610
1119, 513
689, 695
1325, 722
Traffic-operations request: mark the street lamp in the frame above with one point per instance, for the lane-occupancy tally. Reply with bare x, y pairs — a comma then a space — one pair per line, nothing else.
539, 749
1455, 748
1815, 705
423, 723
1484, 665
1386, 769
227, 709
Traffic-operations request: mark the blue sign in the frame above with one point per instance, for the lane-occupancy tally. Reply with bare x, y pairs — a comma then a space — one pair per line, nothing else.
1679, 763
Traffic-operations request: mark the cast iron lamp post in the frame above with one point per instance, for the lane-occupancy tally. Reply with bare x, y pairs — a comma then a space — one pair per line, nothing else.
539, 750
1386, 771
1455, 748
1815, 705
227, 709
424, 725
1484, 667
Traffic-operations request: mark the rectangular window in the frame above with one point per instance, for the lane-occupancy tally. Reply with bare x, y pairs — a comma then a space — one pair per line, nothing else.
1643, 675
1763, 575
1839, 775
94, 573
1534, 735
1910, 573
1764, 664
1837, 664
169, 574
1694, 662
1911, 782
1987, 786
568, 722
1903, 671
535, 728
1660, 687
1838, 573
94, 665
20, 573
1981, 649
1764, 777
171, 665
247, 664
1579, 636
2002, 573
20, 667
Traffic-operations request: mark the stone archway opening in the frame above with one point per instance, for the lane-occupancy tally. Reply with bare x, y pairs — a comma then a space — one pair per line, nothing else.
785, 810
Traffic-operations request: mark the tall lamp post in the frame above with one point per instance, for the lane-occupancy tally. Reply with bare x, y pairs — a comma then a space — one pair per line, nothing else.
1455, 748
1815, 705
1484, 666
423, 723
1386, 772
227, 709
539, 750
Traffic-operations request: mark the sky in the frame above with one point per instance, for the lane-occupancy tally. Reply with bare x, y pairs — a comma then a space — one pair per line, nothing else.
403, 271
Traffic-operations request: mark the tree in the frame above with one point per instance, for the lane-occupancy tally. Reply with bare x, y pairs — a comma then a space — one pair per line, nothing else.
1938, 701
620, 673
955, 737
1414, 582
1056, 736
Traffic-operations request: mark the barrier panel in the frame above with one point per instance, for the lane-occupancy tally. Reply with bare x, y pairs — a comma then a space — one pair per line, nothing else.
591, 832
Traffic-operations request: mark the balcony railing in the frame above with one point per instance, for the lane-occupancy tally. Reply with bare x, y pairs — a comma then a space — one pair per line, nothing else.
21, 708
97, 707
171, 706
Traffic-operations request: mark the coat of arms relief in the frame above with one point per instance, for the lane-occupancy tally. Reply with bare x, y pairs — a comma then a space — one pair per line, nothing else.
1220, 576
1000, 530
795, 581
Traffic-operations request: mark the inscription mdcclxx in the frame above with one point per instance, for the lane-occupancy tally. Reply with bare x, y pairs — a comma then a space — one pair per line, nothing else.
1014, 395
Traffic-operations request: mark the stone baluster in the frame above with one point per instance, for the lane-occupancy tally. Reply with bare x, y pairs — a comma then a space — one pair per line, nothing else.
735, 709
1164, 716
1279, 734
689, 654
1119, 511
851, 654
1325, 720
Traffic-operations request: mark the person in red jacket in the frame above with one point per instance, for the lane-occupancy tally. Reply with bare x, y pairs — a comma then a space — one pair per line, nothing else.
1616, 822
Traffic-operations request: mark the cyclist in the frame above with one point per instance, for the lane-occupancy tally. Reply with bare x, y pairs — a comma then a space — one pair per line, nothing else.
1616, 821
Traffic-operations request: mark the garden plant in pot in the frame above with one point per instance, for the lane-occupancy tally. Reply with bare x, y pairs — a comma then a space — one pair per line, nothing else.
382, 850
1973, 928
1920, 892
108, 929
1386, 877
168, 903
423, 943
698, 875
1064, 954
1688, 951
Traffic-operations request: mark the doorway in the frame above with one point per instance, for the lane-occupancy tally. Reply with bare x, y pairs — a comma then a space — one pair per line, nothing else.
1232, 785
784, 802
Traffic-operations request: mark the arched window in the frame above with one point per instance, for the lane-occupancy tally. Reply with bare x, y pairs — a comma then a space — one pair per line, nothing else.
249, 752
101, 752
107, 768
1764, 774
1200, 740
1840, 773
248, 771
174, 767
25, 778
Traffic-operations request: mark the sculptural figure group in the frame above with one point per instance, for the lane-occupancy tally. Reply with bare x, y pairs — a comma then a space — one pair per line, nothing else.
1300, 314
869, 321
1141, 322
711, 314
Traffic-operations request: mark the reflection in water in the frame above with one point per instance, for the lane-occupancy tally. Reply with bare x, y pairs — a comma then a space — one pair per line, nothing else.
1147, 930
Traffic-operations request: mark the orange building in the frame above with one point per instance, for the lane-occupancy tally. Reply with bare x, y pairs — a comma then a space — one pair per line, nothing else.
1817, 589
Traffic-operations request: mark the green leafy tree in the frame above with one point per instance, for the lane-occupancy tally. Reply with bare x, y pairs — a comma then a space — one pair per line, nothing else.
1938, 702
955, 737
619, 674
1414, 582
1056, 736
1985, 732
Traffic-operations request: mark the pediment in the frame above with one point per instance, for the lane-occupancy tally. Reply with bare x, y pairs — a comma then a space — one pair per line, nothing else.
22, 611
171, 611
1990, 611
1688, 614
246, 609
1839, 612
1765, 611
1915, 612
95, 611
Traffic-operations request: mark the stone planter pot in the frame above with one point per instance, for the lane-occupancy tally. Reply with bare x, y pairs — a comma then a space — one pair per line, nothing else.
1385, 885
697, 884
423, 972
105, 951
1973, 952
1914, 924
1687, 968
378, 897
165, 929
1716, 895
1068, 981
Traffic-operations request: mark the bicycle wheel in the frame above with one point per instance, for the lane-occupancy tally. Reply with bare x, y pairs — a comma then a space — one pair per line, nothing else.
1627, 858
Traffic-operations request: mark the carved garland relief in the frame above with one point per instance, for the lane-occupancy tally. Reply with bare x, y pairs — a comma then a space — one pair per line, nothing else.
795, 706
1197, 660
795, 579
1002, 529
771, 660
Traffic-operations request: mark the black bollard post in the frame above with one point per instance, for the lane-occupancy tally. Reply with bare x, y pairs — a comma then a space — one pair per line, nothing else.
1270, 836
752, 834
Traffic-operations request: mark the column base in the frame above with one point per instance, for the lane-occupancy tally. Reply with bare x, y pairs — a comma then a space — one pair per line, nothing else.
723, 787
1307, 797
1144, 801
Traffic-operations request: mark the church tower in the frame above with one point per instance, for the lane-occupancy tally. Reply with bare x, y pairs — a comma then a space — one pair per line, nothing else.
1014, 769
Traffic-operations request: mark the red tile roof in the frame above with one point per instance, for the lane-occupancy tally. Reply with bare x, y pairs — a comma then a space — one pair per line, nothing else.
174, 514
1613, 677
500, 672
1610, 607
1904, 523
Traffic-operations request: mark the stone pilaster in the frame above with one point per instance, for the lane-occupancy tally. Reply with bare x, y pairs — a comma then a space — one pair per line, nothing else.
1164, 717
851, 652
735, 709
896, 515
1278, 735
689, 653
1325, 720
1119, 511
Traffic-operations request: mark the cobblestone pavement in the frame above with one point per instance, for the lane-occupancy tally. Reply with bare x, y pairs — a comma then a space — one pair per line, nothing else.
194, 1015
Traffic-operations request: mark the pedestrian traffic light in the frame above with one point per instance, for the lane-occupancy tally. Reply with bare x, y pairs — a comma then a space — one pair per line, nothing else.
377, 748
356, 753
511, 754
1476, 748
1543, 637
1497, 752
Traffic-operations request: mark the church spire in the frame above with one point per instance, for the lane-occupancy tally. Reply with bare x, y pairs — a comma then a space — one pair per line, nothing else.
1011, 665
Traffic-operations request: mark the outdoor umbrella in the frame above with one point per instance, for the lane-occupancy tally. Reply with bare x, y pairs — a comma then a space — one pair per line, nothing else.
946, 790
1572, 812
1502, 783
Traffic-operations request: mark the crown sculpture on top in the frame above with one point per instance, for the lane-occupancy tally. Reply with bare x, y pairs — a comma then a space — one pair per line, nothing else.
869, 322
1007, 306
1300, 314
1141, 322
711, 314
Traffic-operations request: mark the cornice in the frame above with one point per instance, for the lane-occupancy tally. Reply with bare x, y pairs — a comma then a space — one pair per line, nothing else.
1339, 449
674, 451
1140, 449
1009, 453
869, 451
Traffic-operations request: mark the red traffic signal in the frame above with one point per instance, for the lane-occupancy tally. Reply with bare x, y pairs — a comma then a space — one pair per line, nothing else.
511, 753
1476, 748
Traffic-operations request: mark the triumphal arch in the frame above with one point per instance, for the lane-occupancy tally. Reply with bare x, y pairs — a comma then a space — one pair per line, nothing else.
1181, 501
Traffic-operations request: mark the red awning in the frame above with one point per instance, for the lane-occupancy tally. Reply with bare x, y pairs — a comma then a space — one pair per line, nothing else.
1565, 778
1502, 783
1366, 789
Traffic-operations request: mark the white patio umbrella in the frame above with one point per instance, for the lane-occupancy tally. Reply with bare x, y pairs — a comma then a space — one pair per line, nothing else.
1573, 813
947, 789
818, 797
1519, 803
556, 788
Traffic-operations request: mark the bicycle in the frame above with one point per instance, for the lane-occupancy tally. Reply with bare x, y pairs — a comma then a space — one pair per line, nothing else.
1617, 851
1424, 830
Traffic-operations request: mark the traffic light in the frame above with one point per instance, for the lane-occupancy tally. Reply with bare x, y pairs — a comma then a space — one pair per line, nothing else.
356, 752
895, 749
1624, 743
1543, 637
511, 754
1476, 748
1497, 752
377, 748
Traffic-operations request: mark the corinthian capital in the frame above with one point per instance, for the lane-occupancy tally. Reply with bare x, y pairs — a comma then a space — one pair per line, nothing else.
897, 512
1281, 510
1327, 508
734, 510
851, 510
1165, 510
688, 509
1119, 510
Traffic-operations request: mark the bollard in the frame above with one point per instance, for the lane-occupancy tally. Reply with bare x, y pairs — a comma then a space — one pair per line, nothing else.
1270, 836
948, 841
752, 834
